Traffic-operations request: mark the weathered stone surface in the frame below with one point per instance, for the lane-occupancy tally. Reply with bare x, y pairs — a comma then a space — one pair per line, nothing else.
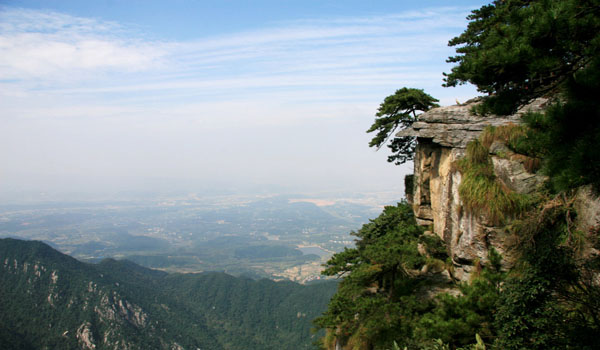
454, 126
443, 134
85, 336
587, 206
514, 175
510, 170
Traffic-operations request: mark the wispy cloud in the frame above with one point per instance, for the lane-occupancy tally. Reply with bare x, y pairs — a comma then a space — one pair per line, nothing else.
57, 51
85, 97
39, 47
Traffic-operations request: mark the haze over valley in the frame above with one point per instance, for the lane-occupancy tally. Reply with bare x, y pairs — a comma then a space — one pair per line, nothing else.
272, 236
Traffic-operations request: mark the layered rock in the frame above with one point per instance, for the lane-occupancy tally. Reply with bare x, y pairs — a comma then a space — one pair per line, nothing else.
443, 134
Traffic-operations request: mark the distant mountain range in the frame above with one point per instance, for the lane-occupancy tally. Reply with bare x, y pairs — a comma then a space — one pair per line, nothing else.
49, 300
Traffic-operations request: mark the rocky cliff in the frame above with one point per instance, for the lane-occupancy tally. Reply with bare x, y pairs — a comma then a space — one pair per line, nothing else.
442, 138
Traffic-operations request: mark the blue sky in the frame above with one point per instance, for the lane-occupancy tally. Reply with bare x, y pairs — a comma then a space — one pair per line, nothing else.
101, 96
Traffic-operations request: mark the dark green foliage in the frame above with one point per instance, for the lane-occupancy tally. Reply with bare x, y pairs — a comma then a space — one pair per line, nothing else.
567, 135
455, 319
13, 339
382, 299
550, 300
547, 303
399, 111
376, 301
527, 318
517, 50
252, 314
434, 247
44, 294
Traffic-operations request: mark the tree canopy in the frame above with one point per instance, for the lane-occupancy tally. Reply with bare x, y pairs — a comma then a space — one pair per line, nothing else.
518, 50
381, 298
399, 110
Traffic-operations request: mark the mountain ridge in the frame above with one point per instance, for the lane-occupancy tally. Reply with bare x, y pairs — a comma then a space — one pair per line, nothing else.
50, 300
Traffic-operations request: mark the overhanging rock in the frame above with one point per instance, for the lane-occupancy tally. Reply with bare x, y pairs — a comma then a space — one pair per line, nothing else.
443, 134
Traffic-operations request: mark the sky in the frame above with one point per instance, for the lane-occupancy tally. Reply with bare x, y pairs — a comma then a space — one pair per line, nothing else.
107, 97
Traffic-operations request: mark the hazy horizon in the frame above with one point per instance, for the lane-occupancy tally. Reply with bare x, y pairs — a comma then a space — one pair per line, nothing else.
103, 98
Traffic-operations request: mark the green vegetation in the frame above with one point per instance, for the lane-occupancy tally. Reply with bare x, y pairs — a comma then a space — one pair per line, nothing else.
508, 134
518, 50
514, 51
399, 111
46, 297
549, 300
567, 135
454, 320
480, 190
384, 296
368, 308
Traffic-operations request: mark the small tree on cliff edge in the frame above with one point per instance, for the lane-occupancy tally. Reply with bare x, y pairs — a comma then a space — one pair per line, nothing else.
399, 111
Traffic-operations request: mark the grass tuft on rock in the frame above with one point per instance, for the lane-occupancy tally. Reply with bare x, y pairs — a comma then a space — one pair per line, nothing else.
480, 191
508, 134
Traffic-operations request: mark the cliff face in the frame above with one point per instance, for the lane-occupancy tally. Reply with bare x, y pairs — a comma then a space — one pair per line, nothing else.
443, 134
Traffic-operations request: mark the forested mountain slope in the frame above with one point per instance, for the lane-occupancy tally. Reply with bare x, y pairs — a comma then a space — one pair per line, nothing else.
49, 300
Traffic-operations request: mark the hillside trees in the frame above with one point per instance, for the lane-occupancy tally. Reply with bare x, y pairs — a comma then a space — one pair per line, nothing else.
384, 296
46, 296
370, 304
399, 111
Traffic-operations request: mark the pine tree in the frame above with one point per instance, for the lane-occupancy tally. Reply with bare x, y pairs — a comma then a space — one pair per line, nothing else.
399, 111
